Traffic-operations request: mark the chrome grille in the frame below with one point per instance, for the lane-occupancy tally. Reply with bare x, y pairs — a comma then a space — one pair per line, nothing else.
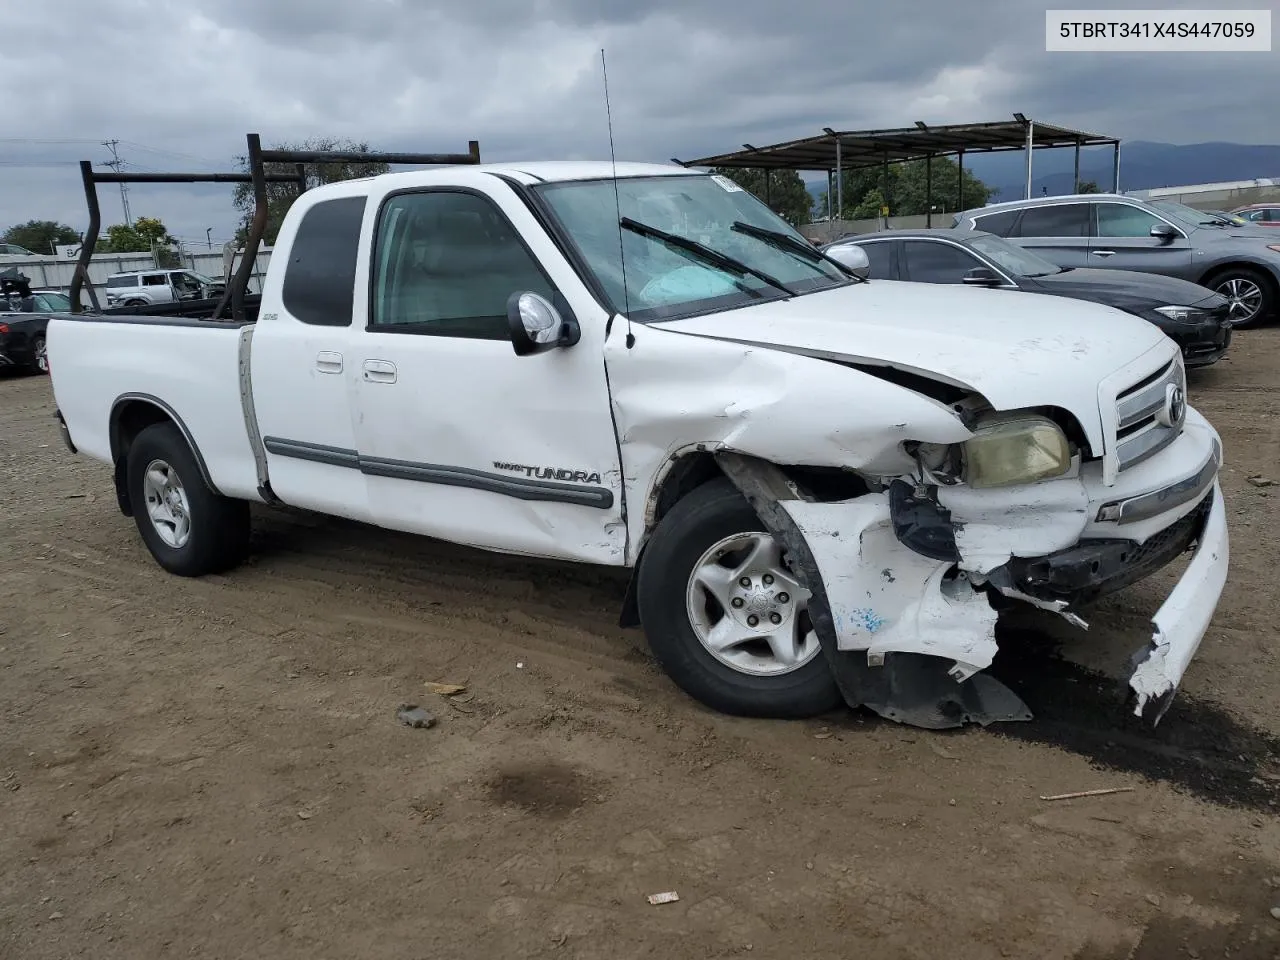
1150, 415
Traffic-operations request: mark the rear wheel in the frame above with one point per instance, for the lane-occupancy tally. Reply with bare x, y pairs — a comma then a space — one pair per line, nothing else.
189, 529
724, 614
39, 355
1251, 296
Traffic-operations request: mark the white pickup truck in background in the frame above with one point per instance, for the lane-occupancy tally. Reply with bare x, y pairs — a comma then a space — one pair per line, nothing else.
821, 482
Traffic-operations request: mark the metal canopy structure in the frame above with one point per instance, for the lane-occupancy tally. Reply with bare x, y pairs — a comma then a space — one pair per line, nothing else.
835, 151
258, 177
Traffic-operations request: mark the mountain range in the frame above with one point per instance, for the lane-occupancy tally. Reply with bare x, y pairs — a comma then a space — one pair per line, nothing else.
1143, 164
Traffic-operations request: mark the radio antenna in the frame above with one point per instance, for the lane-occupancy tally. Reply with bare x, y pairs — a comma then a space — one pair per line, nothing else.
617, 203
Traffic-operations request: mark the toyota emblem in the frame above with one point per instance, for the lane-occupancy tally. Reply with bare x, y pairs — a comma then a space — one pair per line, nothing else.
1175, 406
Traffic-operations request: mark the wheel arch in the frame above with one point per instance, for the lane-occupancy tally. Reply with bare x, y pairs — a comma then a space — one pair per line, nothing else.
1209, 273
130, 415
691, 467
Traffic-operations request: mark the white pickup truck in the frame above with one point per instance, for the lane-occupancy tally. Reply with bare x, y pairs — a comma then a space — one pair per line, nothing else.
826, 486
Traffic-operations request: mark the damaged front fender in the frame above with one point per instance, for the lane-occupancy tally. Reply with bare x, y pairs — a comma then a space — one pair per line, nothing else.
898, 630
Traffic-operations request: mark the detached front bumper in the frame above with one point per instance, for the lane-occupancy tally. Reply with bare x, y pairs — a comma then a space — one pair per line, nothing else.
909, 580
1180, 623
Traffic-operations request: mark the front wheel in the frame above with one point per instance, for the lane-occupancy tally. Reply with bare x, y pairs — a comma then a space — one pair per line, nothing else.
1251, 296
189, 529
724, 614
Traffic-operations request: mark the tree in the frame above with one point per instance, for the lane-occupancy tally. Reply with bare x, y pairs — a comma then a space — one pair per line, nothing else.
864, 190
40, 236
785, 192
146, 235
280, 196
1088, 186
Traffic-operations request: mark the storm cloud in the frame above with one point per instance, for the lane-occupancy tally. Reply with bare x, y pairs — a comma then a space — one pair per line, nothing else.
179, 83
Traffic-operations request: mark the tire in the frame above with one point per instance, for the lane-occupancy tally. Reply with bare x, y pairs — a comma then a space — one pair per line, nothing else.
136, 303
711, 515
216, 527
1235, 281
39, 359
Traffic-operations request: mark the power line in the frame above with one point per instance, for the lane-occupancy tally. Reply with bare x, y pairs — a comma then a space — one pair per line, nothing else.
116, 164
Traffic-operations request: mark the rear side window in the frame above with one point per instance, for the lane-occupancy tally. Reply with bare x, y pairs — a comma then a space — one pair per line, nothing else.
155, 280
880, 254
1001, 224
131, 281
319, 283
1057, 220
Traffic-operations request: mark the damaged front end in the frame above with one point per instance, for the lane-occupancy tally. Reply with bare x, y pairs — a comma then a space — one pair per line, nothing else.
902, 582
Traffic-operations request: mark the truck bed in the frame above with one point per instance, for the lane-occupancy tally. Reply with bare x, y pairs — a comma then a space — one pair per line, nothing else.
186, 366
193, 309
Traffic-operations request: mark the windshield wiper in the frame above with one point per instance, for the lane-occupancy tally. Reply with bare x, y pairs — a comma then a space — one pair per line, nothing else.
702, 253
788, 244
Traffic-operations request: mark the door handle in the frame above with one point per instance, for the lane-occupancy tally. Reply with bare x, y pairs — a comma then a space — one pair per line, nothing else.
379, 371
1103, 253
328, 361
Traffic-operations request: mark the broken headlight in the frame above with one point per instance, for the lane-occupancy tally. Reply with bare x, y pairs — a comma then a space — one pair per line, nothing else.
1009, 448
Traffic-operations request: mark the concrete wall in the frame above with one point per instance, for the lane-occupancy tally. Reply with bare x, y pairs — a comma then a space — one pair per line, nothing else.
53, 273
1211, 197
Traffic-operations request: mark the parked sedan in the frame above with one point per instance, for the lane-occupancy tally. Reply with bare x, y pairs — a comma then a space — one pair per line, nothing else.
1116, 232
1192, 316
24, 317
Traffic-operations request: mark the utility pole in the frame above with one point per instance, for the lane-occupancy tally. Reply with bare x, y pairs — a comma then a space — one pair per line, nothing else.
116, 164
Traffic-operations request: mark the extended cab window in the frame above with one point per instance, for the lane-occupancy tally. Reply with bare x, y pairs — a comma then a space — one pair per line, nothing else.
319, 283
447, 263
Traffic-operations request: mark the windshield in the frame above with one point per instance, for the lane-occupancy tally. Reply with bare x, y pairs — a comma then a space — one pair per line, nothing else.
55, 302
663, 281
1188, 215
1012, 258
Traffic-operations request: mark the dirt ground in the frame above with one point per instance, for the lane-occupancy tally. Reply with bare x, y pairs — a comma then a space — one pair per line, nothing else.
214, 768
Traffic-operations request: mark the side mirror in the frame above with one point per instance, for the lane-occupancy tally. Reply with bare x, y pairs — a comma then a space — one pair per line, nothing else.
852, 256
1163, 232
536, 326
982, 277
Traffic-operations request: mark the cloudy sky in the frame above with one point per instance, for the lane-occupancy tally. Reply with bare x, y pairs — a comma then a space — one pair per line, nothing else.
179, 82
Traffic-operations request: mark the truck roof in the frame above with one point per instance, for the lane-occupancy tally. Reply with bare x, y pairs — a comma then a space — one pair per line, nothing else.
536, 171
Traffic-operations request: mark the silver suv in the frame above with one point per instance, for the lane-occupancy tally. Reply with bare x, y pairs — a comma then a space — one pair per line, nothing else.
147, 287
1158, 236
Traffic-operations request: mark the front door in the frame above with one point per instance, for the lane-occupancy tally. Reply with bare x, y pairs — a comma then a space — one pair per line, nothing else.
458, 436
1123, 241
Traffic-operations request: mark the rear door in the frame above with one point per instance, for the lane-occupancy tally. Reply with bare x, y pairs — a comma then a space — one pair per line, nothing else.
1123, 241
303, 360
156, 287
1059, 232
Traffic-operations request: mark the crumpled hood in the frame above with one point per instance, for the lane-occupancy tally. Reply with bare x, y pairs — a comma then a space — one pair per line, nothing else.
1016, 349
